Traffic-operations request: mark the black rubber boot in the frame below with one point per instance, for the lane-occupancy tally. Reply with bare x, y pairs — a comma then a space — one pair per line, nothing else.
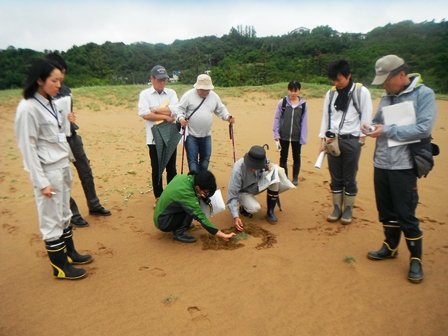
74, 257
180, 235
58, 258
295, 174
390, 244
349, 202
244, 213
272, 199
415, 246
337, 210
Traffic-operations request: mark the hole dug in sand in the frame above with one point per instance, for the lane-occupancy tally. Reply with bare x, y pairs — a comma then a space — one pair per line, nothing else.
268, 239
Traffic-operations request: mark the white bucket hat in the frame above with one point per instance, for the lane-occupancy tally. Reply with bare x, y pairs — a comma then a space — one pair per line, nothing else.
204, 82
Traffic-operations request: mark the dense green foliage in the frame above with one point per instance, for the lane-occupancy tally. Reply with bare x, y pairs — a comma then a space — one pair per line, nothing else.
242, 59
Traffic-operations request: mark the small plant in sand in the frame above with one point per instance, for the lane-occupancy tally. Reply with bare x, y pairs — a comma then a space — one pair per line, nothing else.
169, 299
240, 235
350, 260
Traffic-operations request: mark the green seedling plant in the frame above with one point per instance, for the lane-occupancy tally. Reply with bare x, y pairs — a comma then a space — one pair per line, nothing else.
169, 299
350, 260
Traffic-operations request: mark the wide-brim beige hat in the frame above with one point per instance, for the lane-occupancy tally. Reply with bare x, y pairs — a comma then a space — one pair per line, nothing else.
204, 82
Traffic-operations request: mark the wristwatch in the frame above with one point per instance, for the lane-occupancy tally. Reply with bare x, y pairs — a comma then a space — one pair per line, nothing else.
361, 143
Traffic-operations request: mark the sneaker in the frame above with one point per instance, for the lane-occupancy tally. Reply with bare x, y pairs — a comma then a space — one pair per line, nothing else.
79, 222
100, 212
244, 212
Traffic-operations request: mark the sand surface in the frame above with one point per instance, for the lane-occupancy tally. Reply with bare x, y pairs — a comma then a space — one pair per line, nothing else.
293, 278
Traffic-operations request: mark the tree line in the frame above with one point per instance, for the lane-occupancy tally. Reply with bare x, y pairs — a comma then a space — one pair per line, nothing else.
240, 58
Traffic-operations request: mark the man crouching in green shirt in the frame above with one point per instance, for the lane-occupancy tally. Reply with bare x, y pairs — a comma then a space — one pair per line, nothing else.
179, 205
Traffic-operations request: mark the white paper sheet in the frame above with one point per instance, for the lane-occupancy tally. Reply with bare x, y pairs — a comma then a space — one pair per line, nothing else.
401, 115
64, 106
217, 203
320, 160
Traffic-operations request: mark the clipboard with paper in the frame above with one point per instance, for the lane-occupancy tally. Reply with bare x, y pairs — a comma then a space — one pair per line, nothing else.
64, 106
402, 114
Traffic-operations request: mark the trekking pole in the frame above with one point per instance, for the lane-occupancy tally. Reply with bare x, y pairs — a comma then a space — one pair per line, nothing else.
232, 137
183, 149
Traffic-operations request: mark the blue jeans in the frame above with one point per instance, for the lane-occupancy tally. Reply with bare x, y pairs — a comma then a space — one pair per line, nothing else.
199, 151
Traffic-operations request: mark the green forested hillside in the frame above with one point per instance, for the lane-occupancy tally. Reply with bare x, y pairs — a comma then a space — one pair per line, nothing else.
242, 59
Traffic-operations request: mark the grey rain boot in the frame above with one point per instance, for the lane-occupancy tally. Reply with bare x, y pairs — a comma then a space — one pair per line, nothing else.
337, 210
389, 249
295, 174
349, 201
272, 200
57, 253
415, 246
74, 257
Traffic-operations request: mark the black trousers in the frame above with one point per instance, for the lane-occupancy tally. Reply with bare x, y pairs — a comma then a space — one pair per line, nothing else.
343, 168
296, 151
397, 198
85, 174
174, 221
171, 171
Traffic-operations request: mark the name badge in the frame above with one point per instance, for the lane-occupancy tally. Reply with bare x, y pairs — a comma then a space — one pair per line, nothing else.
62, 137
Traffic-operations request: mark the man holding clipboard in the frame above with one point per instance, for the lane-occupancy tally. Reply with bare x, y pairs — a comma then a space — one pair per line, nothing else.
406, 98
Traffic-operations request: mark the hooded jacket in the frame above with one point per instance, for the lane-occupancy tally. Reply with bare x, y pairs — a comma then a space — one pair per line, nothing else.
423, 98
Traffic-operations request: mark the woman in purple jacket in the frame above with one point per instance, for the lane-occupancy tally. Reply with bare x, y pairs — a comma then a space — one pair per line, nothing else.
291, 127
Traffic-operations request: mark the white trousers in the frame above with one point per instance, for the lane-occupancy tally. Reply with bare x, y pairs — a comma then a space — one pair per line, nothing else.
249, 202
54, 213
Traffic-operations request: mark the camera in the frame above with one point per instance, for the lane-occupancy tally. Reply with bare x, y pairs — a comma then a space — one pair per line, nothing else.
330, 135
371, 129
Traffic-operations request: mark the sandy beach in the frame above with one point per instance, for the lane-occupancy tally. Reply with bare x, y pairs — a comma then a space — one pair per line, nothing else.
302, 276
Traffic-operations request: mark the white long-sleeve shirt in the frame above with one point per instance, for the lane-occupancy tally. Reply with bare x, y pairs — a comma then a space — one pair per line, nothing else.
352, 123
200, 124
151, 98
37, 133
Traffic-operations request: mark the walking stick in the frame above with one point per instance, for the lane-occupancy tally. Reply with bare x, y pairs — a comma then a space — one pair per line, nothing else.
183, 150
232, 136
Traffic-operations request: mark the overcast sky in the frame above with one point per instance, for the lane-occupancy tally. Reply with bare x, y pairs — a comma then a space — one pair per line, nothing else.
58, 25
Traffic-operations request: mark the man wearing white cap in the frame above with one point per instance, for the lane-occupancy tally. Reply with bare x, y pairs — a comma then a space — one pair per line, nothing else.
196, 108
395, 177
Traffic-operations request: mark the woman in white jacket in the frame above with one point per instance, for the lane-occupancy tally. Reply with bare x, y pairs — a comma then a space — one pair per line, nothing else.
42, 142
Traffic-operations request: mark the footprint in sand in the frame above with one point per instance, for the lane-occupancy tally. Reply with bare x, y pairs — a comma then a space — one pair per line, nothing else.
199, 318
41, 254
103, 250
158, 272
11, 229
35, 239
91, 269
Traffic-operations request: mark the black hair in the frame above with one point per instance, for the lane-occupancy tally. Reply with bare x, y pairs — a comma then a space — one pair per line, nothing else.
40, 69
294, 85
56, 58
205, 180
339, 66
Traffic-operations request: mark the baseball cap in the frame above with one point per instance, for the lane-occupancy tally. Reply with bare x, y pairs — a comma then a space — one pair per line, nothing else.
384, 66
204, 82
159, 72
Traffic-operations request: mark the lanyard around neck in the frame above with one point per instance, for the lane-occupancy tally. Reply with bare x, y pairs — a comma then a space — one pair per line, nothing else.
55, 115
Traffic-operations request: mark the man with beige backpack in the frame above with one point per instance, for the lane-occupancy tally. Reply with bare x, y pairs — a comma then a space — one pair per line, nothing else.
347, 106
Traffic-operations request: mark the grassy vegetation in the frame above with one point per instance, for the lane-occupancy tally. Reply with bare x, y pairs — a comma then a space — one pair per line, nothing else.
97, 98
